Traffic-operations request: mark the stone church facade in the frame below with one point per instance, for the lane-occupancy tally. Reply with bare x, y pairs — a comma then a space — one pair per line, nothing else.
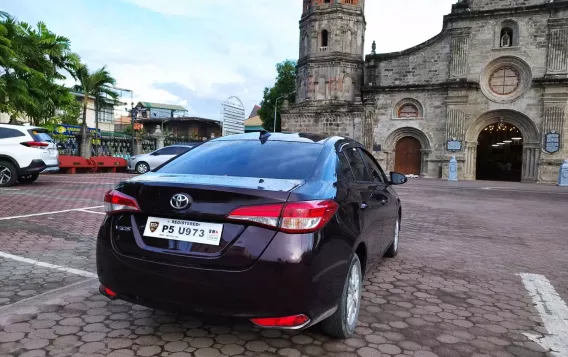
490, 89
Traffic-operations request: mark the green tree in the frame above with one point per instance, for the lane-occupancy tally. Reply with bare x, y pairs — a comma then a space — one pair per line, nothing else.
284, 89
32, 61
69, 114
96, 86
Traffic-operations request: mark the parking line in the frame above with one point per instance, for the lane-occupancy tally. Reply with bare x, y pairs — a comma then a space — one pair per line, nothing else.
87, 211
47, 265
553, 312
47, 213
81, 182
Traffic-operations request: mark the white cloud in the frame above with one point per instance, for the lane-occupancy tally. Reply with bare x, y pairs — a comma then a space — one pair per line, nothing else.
199, 52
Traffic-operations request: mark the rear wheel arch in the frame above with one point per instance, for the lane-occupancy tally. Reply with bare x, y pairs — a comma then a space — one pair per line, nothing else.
361, 252
10, 160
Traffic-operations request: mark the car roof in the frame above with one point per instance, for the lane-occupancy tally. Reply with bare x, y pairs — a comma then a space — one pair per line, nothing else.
289, 137
182, 145
21, 127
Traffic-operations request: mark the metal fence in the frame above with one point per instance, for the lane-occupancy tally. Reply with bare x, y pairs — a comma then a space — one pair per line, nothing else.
117, 146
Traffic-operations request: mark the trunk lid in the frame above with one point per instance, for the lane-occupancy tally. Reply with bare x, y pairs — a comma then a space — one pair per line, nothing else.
212, 199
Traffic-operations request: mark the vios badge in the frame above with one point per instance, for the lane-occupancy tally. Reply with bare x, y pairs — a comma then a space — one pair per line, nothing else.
180, 201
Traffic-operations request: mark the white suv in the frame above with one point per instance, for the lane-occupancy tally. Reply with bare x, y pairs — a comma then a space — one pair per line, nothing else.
25, 151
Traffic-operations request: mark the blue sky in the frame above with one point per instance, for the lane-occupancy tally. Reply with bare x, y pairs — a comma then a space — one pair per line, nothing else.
198, 53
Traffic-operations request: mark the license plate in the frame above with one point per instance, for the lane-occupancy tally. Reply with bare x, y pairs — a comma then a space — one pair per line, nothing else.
185, 231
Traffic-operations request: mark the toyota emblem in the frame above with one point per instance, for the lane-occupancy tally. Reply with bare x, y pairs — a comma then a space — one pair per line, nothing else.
180, 201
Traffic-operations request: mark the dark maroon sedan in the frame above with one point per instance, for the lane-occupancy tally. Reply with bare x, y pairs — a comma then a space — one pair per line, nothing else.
278, 229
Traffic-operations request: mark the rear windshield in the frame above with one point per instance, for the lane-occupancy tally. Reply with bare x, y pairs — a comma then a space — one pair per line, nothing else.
274, 159
39, 135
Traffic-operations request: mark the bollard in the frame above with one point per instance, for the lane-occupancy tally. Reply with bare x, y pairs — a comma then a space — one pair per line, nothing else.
563, 175
453, 169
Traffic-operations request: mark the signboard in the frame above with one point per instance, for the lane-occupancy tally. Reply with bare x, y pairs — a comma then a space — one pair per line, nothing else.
233, 116
552, 142
377, 148
73, 130
454, 145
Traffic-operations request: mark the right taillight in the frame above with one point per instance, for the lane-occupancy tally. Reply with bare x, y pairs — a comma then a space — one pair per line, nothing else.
119, 202
293, 217
35, 144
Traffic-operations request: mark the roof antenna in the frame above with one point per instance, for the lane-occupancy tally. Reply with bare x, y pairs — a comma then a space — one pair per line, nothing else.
264, 135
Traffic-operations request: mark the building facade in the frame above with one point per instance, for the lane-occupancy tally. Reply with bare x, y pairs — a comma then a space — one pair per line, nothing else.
491, 89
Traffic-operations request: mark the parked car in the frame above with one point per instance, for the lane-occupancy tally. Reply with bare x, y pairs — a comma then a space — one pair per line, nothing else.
25, 151
278, 229
147, 162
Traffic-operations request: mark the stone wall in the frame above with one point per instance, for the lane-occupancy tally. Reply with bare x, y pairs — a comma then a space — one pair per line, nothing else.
431, 128
329, 120
422, 65
477, 5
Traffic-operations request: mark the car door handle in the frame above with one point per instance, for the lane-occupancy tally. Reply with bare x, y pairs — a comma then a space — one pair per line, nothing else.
364, 206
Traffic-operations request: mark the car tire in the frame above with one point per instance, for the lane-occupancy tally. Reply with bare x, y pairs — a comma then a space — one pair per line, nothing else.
26, 179
393, 249
342, 324
142, 168
8, 174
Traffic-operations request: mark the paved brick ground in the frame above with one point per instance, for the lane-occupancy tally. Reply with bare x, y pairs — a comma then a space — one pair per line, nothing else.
454, 290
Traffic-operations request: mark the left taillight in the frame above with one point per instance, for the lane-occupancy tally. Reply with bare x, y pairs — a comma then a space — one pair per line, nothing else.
292, 217
119, 202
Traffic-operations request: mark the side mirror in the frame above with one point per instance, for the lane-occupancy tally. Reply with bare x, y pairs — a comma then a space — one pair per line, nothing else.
60, 146
397, 178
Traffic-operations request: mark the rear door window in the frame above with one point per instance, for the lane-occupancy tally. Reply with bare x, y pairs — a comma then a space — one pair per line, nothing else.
273, 159
6, 133
173, 150
344, 168
375, 170
357, 164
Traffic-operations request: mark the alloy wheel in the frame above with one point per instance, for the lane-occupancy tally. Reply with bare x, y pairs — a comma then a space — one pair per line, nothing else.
142, 168
5, 174
353, 294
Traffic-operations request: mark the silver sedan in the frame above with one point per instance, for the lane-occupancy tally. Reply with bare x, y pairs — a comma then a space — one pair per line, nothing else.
146, 162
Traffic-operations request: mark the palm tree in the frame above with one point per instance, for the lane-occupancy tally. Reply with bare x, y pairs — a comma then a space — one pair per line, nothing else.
95, 85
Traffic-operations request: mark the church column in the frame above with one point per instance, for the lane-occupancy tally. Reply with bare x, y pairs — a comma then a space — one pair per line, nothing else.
531, 153
424, 169
470, 166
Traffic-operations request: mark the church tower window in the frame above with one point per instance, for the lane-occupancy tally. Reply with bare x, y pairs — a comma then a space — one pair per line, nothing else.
324, 41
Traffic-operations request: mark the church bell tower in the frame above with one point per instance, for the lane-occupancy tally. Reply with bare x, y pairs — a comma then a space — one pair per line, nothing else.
332, 38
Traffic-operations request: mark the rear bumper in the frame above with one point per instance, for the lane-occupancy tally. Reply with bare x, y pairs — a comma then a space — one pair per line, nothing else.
270, 288
37, 166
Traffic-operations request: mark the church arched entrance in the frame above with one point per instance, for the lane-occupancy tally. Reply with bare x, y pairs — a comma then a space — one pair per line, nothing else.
407, 156
500, 153
494, 144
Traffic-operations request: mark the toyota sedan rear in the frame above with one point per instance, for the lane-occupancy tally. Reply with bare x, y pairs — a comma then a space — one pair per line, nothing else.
279, 229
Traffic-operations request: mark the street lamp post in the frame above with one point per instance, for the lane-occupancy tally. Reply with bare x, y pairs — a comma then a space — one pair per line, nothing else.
134, 113
276, 109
